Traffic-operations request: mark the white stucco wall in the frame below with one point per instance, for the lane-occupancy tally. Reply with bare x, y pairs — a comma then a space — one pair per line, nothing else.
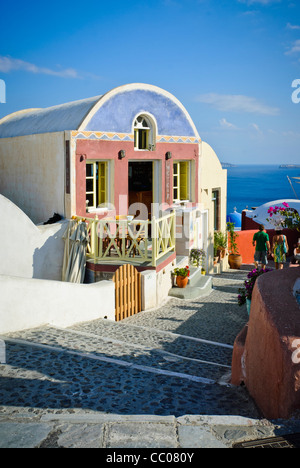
32, 173
28, 303
31, 291
213, 176
27, 250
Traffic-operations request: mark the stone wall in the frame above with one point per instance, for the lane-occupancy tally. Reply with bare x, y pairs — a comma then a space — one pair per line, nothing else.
265, 353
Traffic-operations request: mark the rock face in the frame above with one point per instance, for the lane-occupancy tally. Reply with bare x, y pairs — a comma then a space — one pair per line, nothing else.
266, 356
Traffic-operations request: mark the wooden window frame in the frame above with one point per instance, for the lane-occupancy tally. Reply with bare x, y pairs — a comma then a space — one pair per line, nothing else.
99, 180
144, 133
182, 187
216, 199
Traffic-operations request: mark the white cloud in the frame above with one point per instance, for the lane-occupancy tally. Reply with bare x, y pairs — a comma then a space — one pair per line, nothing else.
256, 127
8, 64
291, 133
237, 103
295, 48
225, 124
292, 26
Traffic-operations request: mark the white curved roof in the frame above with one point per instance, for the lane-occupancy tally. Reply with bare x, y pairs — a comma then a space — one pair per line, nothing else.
67, 116
115, 111
260, 214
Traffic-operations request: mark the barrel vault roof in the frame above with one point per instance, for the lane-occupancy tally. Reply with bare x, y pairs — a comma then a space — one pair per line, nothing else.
114, 111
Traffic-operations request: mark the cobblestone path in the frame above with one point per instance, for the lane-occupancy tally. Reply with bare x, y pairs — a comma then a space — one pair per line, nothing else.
174, 360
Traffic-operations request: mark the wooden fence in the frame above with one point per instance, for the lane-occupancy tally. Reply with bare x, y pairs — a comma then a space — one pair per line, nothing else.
128, 291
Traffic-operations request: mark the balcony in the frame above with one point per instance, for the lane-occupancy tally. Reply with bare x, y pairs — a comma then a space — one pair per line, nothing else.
123, 240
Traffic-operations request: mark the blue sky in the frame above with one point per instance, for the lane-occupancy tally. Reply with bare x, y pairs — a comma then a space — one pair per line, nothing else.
230, 63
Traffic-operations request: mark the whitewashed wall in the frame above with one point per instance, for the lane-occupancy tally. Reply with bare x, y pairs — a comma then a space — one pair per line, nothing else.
31, 293
32, 173
29, 303
27, 250
213, 176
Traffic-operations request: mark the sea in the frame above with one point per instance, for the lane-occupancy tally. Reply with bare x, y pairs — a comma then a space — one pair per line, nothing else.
249, 186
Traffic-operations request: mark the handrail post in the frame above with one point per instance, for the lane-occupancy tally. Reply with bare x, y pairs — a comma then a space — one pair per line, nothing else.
154, 240
100, 239
173, 231
95, 238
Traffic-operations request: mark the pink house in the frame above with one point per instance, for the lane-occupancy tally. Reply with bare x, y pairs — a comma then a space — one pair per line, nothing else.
144, 147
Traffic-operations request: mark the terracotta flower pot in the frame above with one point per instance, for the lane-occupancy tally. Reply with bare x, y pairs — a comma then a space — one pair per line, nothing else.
235, 261
222, 252
182, 281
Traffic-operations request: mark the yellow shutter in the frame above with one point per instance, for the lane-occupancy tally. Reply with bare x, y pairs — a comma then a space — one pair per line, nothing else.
102, 182
146, 146
184, 178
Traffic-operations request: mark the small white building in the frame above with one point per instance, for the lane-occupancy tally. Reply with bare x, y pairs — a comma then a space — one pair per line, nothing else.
100, 157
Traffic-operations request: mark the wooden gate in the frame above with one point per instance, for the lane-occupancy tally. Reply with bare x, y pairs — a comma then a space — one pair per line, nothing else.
128, 291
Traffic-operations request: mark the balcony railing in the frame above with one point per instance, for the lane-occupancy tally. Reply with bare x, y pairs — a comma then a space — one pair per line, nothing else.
138, 241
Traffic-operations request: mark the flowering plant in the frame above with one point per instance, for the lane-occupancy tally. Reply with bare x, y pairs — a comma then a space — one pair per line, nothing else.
278, 215
246, 291
284, 216
182, 271
197, 256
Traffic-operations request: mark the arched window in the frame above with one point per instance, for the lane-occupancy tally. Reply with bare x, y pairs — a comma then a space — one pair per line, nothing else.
144, 133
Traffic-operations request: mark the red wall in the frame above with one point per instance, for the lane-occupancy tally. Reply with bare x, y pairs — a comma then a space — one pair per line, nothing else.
271, 372
245, 247
95, 149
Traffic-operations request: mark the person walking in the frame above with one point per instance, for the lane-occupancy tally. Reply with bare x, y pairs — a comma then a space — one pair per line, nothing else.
296, 256
261, 242
279, 249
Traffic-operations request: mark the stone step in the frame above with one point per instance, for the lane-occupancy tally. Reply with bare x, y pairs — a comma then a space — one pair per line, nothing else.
146, 365
195, 276
204, 362
201, 286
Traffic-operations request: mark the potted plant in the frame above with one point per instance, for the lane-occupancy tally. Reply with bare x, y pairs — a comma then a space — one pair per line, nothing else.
220, 243
197, 257
182, 276
245, 293
216, 256
234, 258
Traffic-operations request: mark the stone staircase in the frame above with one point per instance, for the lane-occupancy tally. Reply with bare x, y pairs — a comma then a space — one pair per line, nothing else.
153, 363
198, 286
115, 367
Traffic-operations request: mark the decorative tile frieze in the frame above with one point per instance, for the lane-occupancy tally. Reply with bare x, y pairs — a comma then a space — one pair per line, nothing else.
111, 136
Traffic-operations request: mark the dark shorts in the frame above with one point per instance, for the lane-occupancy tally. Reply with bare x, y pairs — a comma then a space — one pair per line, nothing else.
261, 256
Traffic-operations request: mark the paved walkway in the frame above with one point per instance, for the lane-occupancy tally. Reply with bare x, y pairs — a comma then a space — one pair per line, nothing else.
158, 379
